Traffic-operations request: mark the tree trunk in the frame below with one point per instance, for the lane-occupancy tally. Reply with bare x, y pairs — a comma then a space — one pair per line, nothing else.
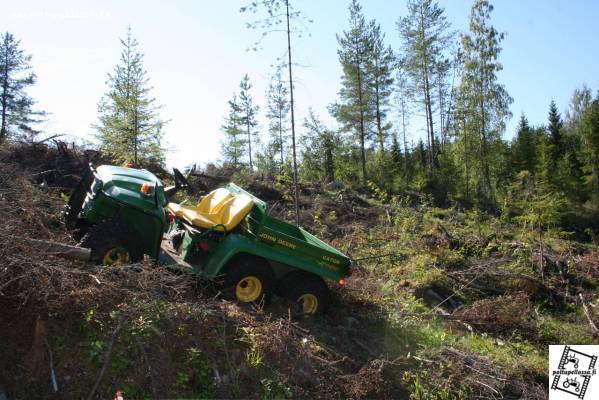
135, 138
484, 152
291, 103
3, 128
362, 130
466, 157
441, 117
248, 129
281, 134
405, 144
429, 116
378, 119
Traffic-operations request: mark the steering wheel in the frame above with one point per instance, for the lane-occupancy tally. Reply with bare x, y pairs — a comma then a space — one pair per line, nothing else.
181, 181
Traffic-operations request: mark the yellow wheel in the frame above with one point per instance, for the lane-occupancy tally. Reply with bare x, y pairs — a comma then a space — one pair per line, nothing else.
116, 256
248, 289
309, 303
112, 243
308, 293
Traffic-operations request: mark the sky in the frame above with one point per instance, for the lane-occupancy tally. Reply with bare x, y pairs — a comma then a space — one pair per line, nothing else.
196, 54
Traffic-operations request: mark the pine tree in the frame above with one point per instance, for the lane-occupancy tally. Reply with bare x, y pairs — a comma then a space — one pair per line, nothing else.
425, 34
403, 96
15, 76
248, 115
484, 101
354, 110
130, 129
233, 146
277, 97
380, 69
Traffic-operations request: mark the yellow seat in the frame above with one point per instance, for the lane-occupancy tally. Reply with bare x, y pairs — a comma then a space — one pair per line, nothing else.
209, 204
213, 201
228, 216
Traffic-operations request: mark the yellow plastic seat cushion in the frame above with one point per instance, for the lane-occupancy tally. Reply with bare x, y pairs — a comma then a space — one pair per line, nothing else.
231, 213
209, 204
213, 201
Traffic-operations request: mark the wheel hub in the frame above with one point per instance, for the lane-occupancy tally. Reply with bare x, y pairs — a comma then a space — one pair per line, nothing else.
308, 303
248, 289
116, 256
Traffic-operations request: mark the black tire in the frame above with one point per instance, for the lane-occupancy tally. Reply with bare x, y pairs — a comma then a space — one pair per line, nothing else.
107, 236
248, 280
297, 285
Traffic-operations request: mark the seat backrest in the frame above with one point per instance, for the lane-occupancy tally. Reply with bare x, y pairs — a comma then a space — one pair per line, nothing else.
213, 202
234, 210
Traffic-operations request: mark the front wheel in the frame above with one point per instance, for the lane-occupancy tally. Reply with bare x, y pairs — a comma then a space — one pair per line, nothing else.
308, 293
111, 243
248, 280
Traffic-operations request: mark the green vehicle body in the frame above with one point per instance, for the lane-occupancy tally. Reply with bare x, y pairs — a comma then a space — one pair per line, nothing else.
113, 192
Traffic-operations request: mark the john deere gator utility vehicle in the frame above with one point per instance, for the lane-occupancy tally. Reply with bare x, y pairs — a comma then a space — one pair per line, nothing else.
125, 213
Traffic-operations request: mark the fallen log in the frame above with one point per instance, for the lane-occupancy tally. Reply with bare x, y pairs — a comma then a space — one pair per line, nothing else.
60, 250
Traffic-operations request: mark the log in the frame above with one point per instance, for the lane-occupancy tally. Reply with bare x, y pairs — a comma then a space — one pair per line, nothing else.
60, 250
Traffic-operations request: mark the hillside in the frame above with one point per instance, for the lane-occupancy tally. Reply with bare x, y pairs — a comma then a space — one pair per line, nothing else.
444, 303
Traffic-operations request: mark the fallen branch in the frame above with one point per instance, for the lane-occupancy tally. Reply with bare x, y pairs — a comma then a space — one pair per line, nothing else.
48, 138
588, 315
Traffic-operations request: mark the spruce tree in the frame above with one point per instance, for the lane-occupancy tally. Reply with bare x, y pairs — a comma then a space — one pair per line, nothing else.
277, 97
555, 131
248, 115
233, 147
380, 70
15, 76
354, 110
590, 148
319, 147
129, 128
553, 147
524, 148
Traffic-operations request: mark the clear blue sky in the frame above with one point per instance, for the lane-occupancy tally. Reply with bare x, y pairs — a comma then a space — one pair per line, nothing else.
195, 56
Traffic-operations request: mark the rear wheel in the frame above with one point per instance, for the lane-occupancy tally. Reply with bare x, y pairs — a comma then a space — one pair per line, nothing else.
112, 243
248, 280
308, 293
